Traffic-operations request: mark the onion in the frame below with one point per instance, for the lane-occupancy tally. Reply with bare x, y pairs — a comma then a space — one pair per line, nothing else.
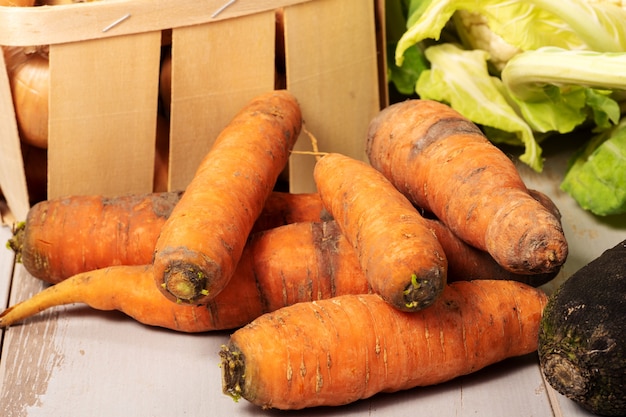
29, 76
165, 83
18, 3
61, 2
161, 155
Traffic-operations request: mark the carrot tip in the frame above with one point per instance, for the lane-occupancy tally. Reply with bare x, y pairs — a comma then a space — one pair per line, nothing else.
4, 323
421, 292
186, 284
233, 371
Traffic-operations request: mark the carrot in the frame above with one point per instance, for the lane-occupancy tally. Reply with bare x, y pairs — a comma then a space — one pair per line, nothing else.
285, 208
270, 275
225, 197
400, 255
443, 163
340, 350
466, 263
546, 202
65, 236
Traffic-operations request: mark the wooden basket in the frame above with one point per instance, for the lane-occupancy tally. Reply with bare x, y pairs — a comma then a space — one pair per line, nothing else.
104, 64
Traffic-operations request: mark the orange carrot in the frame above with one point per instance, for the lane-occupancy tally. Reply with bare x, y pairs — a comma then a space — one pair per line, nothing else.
443, 163
340, 350
546, 202
65, 236
466, 263
29, 77
201, 242
402, 259
271, 275
285, 208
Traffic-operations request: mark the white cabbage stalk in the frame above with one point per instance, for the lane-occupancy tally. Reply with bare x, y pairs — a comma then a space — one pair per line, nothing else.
473, 28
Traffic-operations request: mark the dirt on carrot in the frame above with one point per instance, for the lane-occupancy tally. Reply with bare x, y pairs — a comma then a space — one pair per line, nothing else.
400, 255
443, 163
270, 275
340, 350
200, 244
65, 236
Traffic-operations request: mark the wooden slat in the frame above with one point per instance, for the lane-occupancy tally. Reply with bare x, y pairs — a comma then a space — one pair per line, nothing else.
103, 107
12, 178
6, 267
216, 69
22, 26
381, 42
332, 69
22, 380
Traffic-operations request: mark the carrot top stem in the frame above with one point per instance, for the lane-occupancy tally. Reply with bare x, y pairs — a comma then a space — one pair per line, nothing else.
187, 280
186, 283
233, 374
424, 290
16, 242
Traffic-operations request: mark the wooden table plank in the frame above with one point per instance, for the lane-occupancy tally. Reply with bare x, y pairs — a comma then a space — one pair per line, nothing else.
6, 266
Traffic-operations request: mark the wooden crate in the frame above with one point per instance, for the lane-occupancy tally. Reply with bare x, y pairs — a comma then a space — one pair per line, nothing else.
104, 63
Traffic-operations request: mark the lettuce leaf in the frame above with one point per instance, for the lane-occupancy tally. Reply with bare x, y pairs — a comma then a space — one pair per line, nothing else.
526, 24
405, 77
558, 89
596, 176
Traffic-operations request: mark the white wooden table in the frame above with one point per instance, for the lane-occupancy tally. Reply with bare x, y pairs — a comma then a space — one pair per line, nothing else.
73, 361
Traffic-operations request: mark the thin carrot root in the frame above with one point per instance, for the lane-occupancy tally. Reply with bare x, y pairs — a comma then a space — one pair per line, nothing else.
444, 164
399, 254
224, 199
336, 351
265, 280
